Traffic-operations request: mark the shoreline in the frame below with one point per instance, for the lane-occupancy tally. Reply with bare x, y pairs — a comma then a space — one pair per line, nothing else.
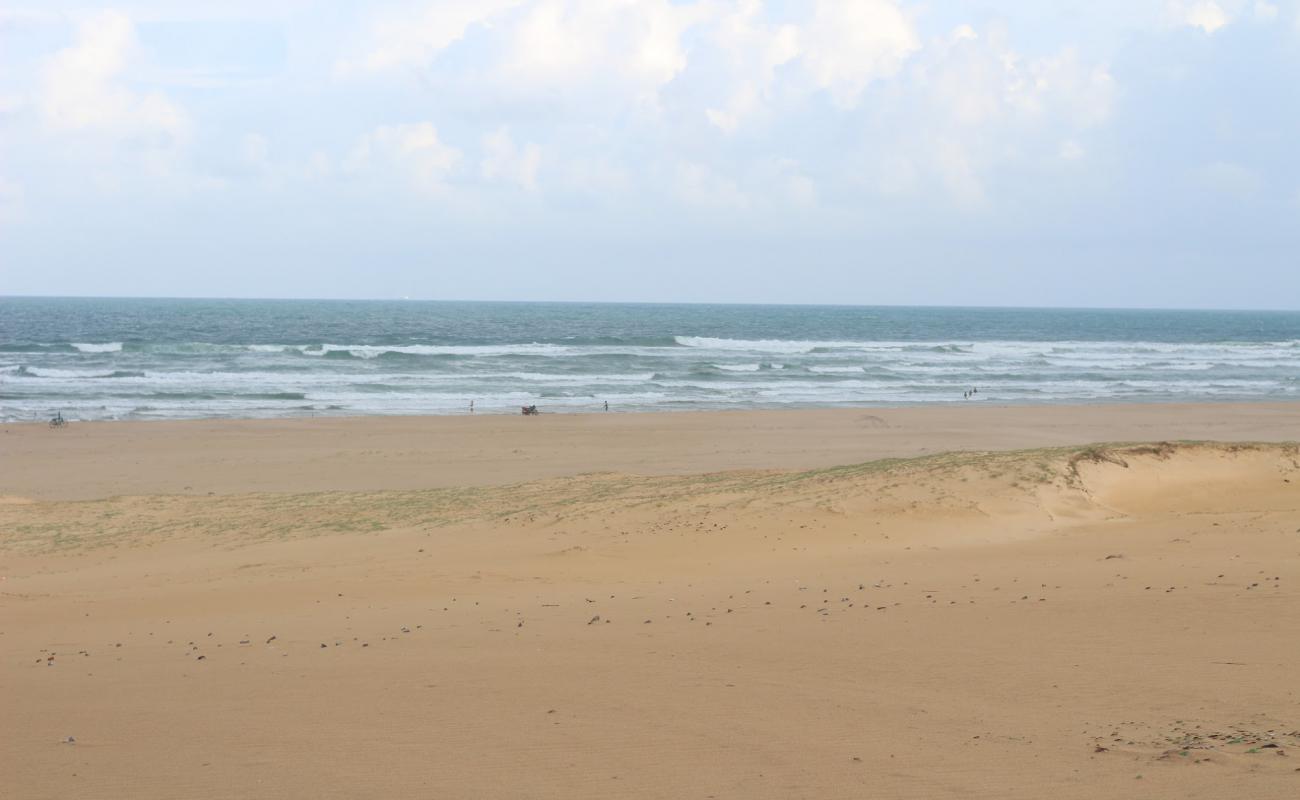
132, 457
596, 410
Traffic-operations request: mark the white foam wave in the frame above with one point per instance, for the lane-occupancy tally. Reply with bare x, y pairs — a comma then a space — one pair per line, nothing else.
273, 348
594, 378
376, 350
56, 374
764, 345
236, 379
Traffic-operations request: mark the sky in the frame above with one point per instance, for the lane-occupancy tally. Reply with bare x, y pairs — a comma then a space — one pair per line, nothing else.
1108, 153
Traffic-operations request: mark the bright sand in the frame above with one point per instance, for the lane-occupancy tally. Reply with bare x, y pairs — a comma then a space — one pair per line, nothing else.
569, 607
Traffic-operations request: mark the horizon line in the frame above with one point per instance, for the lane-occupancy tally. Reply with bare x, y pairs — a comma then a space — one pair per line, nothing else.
755, 304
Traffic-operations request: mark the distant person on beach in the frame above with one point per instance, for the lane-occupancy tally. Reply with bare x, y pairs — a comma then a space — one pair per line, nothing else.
606, 405
471, 406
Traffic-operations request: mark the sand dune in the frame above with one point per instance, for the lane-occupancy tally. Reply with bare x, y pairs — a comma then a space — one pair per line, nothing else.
102, 459
1074, 621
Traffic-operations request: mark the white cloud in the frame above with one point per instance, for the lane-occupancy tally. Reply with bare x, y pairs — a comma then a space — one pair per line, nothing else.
751, 51
398, 42
1265, 11
1211, 16
841, 48
982, 80
1207, 15
573, 47
625, 52
850, 43
1063, 86
82, 87
744, 101
974, 106
412, 149
963, 33
504, 161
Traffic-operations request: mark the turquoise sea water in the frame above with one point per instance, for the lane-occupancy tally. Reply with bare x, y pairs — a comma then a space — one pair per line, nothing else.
153, 358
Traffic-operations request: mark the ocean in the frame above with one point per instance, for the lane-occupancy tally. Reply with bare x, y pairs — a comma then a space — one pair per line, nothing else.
171, 359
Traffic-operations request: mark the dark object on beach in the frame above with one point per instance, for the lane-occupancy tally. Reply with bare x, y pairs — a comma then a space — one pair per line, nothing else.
530, 411
57, 421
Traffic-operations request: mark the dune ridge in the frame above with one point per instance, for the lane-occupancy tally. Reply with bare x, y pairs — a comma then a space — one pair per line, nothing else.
1053, 481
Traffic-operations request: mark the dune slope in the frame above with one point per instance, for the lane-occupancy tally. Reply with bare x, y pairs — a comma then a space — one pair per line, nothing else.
1110, 621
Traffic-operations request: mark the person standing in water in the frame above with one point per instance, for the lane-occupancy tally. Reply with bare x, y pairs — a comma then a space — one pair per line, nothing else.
606, 405
471, 406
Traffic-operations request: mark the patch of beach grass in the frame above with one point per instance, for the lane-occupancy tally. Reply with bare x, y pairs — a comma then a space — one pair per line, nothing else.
42, 527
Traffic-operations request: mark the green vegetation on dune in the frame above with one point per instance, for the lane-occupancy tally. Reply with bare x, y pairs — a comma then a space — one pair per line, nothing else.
123, 521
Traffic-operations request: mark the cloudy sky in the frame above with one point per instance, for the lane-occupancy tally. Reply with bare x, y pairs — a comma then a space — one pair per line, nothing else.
1005, 152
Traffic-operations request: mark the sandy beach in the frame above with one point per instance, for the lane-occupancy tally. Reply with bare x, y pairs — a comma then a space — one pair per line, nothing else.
976, 601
